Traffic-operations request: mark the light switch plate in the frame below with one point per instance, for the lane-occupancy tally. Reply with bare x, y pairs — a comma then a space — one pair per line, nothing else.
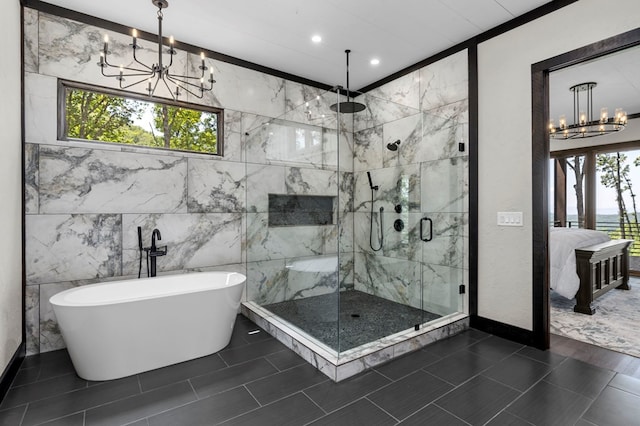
510, 219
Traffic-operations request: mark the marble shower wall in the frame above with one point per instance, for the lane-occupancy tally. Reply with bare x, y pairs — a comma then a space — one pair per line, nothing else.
84, 201
427, 177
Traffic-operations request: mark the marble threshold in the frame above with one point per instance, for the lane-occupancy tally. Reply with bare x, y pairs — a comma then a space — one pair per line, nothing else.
342, 365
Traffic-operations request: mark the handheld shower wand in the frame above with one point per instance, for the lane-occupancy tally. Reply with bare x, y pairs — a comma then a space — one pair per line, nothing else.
381, 236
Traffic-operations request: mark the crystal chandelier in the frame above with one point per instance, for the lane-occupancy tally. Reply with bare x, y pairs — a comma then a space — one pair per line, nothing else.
158, 72
584, 126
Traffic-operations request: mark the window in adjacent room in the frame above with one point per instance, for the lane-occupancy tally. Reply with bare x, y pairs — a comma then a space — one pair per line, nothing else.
104, 115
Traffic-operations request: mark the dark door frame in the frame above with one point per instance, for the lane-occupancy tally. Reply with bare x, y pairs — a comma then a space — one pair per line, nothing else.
540, 166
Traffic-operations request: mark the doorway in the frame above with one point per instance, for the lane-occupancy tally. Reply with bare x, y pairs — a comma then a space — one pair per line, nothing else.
540, 168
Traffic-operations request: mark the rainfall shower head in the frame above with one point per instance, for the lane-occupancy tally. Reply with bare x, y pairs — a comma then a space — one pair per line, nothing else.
393, 146
348, 107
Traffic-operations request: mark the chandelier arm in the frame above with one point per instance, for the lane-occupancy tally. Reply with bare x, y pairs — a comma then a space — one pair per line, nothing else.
185, 86
135, 58
110, 65
142, 80
180, 82
192, 77
173, 95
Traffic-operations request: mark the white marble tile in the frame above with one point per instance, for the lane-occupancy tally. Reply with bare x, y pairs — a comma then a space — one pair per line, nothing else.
305, 181
396, 185
30, 29
263, 180
278, 242
50, 335
216, 186
403, 91
311, 276
444, 185
32, 318
242, 89
440, 290
309, 105
233, 144
408, 132
192, 240
392, 279
31, 179
41, 108
78, 180
266, 281
368, 147
448, 240
380, 111
70, 247
445, 81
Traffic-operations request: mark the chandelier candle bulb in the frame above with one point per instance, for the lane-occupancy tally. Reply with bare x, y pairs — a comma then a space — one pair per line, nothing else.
134, 33
106, 44
604, 115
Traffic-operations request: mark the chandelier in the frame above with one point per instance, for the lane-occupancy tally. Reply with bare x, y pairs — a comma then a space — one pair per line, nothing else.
584, 126
157, 74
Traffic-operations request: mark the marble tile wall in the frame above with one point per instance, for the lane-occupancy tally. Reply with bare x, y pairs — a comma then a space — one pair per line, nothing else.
427, 177
84, 201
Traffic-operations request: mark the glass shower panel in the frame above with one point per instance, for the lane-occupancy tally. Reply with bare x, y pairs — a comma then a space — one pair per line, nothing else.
292, 219
387, 293
444, 210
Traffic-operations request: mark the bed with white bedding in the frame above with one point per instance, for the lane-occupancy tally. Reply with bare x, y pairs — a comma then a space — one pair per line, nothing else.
585, 264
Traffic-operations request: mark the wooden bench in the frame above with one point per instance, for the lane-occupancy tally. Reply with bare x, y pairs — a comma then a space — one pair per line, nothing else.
601, 267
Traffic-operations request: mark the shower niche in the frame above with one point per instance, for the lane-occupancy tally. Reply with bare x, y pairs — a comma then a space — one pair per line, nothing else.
315, 281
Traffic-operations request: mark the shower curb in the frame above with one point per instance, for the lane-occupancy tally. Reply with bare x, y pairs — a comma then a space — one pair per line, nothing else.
354, 361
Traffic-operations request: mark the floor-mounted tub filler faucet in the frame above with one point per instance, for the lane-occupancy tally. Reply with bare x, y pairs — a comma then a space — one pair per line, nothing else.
151, 252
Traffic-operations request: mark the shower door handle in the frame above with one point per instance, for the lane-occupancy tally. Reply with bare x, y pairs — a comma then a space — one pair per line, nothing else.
422, 220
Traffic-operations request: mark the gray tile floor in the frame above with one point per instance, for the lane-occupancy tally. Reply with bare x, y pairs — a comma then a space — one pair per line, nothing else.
473, 378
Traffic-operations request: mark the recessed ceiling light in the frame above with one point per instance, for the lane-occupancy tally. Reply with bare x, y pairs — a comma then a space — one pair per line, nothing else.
316, 39
375, 61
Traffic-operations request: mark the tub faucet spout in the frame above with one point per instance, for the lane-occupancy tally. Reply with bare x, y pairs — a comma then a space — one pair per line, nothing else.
155, 251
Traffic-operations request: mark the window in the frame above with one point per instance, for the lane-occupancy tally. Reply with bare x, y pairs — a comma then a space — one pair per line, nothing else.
104, 115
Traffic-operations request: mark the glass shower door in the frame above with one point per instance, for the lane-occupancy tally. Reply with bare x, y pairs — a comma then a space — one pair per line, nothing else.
444, 224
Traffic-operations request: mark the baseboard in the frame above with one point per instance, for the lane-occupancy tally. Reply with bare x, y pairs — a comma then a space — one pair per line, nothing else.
11, 371
506, 331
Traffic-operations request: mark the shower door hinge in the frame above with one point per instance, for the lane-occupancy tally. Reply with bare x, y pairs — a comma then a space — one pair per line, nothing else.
461, 146
461, 289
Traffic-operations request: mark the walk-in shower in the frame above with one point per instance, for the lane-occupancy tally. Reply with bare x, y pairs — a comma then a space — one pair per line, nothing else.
343, 293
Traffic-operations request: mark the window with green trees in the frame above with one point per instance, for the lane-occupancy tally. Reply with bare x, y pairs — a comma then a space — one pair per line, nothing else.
105, 115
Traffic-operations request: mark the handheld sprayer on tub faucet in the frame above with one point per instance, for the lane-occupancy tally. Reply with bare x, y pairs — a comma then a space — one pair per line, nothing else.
152, 252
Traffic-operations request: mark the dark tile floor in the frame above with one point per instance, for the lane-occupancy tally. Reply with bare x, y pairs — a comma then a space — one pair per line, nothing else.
473, 378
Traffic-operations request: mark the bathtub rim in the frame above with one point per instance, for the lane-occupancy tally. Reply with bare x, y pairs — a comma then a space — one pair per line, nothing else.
60, 299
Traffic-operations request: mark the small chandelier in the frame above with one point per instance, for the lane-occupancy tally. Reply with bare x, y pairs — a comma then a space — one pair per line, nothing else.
158, 72
584, 126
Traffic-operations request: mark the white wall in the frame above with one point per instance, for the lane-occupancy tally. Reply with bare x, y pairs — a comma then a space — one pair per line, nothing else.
10, 186
504, 74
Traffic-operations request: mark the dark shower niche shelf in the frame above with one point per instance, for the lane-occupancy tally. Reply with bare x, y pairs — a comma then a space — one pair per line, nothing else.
300, 210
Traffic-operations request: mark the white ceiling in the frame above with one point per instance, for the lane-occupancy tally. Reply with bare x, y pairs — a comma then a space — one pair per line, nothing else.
277, 33
618, 84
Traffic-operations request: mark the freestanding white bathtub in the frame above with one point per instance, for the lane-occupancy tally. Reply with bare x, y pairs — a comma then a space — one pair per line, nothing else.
117, 329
